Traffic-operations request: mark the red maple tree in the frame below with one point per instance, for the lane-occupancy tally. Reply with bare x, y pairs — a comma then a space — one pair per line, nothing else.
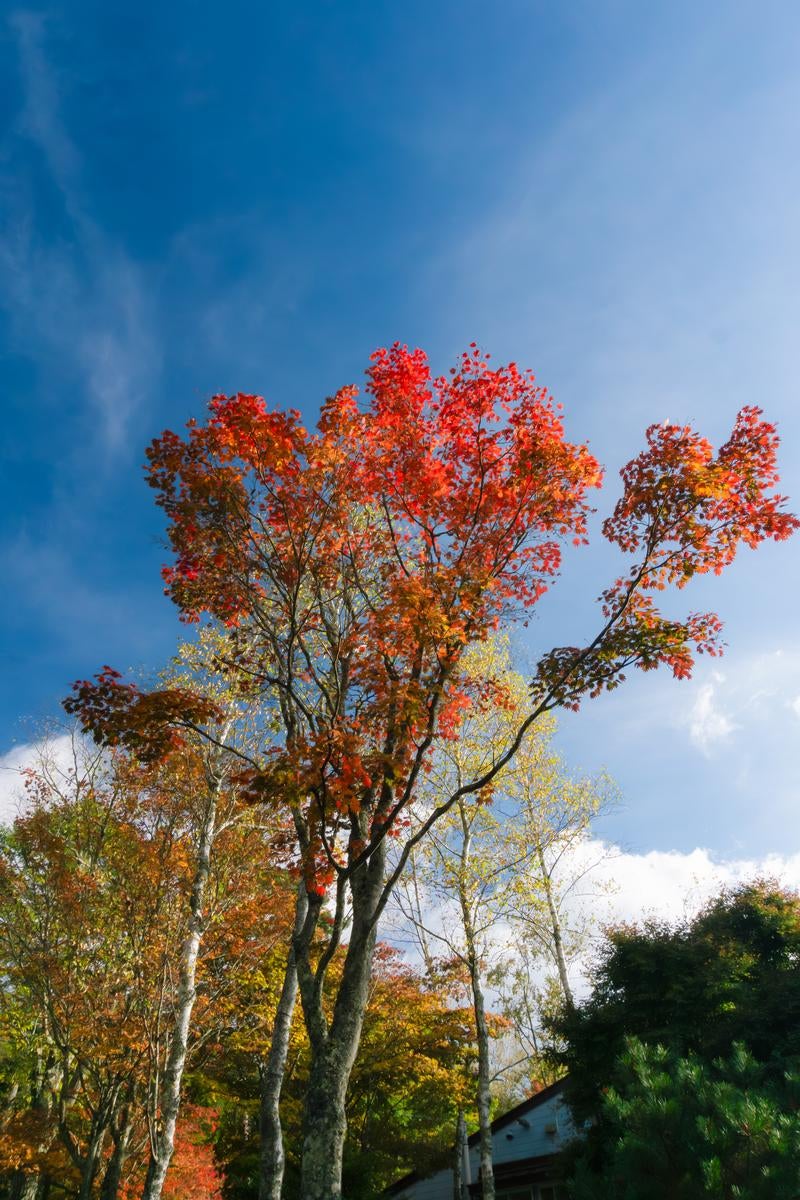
353, 565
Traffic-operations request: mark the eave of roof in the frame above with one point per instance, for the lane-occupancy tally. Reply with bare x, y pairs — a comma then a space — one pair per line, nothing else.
521, 1109
499, 1123
537, 1169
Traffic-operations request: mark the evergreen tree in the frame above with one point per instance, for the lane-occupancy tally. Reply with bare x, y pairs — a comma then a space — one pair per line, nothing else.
684, 1062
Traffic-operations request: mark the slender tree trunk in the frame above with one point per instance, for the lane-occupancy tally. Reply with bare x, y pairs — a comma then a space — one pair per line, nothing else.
87, 1162
479, 1010
163, 1140
417, 917
7, 1110
272, 1159
334, 1047
91, 1163
555, 929
460, 1185
23, 1187
484, 1085
113, 1176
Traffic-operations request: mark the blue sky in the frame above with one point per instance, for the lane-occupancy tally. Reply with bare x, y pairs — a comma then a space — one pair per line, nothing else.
202, 198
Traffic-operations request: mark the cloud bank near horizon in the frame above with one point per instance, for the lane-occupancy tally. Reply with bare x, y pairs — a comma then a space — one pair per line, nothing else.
620, 885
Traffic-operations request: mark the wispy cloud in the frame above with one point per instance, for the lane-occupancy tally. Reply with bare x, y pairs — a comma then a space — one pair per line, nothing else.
78, 299
40, 118
708, 724
755, 692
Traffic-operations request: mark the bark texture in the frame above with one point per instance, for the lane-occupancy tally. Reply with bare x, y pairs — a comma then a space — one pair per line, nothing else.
555, 929
163, 1137
272, 1153
112, 1179
479, 1010
24, 1187
91, 1164
484, 1088
335, 1044
461, 1148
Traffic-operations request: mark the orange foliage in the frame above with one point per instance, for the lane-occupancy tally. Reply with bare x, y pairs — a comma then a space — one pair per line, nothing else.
94, 880
354, 564
193, 1173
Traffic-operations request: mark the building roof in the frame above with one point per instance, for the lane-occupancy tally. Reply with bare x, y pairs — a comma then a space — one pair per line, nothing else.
508, 1118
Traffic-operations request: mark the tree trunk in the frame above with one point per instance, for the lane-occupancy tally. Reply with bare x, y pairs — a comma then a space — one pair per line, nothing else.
272, 1157
23, 1187
479, 1010
113, 1176
87, 1162
555, 928
163, 1142
325, 1125
35, 1186
334, 1047
460, 1151
91, 1164
484, 1081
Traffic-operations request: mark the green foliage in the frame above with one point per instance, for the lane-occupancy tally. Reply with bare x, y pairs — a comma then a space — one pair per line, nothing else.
413, 1072
685, 1060
688, 1130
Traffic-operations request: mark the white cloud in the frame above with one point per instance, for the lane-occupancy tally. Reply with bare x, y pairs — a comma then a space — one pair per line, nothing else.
757, 690
613, 887
707, 723
736, 793
668, 886
671, 885
80, 299
625, 887
59, 753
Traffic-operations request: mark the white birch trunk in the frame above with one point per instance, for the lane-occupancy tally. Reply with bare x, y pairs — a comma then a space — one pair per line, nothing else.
461, 1156
163, 1139
555, 929
479, 1010
272, 1154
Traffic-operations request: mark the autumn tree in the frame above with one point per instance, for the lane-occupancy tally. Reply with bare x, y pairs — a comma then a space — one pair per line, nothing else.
412, 1075
463, 874
353, 566
453, 892
238, 721
413, 1071
206, 772
548, 900
96, 880
488, 887
69, 917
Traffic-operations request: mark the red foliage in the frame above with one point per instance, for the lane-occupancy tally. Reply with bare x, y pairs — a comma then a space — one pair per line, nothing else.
193, 1173
354, 564
147, 723
685, 512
